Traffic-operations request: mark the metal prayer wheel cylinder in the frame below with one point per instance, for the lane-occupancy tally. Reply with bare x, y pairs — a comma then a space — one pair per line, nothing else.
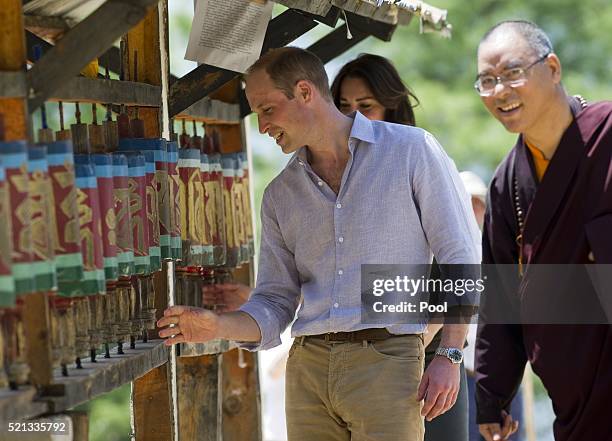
111, 318
174, 199
67, 323
189, 290
145, 295
7, 283
137, 308
232, 234
138, 212
41, 198
56, 337
96, 321
18, 369
206, 220
125, 299
121, 196
246, 200
64, 225
3, 350
82, 326
90, 232
152, 215
159, 147
14, 157
103, 165
239, 213
208, 278
216, 211
191, 190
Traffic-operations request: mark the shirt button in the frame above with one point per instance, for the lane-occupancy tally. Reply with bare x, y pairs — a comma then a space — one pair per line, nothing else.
336, 305
338, 205
340, 272
320, 183
341, 239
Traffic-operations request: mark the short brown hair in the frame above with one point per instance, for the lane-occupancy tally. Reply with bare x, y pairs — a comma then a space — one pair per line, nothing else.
288, 65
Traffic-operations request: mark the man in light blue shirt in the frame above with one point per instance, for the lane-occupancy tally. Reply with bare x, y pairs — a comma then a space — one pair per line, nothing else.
355, 192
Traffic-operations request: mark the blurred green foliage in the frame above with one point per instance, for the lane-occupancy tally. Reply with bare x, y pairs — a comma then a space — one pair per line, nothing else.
109, 416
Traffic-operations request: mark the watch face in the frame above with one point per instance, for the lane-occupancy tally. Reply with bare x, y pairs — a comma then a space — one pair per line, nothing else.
455, 355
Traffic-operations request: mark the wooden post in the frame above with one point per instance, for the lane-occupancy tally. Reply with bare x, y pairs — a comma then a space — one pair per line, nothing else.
80, 425
241, 401
17, 127
152, 406
13, 59
152, 403
199, 398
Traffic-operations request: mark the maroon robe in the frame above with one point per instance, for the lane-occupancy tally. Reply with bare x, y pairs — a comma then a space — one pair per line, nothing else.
568, 220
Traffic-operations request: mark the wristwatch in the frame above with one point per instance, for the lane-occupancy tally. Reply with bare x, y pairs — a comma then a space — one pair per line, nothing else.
455, 355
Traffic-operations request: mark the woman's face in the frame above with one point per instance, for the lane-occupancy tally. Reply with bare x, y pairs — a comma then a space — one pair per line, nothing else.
356, 95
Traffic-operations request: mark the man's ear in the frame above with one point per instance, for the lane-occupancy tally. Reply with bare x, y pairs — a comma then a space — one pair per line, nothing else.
304, 90
554, 64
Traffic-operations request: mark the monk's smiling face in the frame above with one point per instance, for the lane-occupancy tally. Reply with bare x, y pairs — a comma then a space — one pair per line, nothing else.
518, 107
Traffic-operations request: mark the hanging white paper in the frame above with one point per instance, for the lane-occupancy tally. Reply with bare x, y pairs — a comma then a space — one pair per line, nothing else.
228, 33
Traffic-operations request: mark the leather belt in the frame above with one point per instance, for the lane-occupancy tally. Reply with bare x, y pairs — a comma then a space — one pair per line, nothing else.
371, 334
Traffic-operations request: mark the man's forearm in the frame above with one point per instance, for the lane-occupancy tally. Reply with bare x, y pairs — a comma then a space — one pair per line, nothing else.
238, 326
453, 336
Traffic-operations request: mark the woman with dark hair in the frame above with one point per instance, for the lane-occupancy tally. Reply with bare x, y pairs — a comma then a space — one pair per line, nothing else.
383, 94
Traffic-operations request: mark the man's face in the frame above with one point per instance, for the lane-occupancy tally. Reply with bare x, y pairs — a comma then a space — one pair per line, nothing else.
277, 115
517, 108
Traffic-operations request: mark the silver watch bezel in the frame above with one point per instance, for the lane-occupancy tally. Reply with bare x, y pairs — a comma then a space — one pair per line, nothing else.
446, 352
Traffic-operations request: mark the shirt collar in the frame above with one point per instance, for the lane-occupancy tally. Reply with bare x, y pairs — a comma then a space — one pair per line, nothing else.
361, 130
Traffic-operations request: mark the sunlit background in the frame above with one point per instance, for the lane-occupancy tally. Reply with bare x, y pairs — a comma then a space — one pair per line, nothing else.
441, 73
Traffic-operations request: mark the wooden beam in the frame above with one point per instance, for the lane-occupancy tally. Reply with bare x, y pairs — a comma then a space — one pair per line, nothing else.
205, 79
330, 18
380, 30
109, 58
45, 22
336, 43
92, 90
90, 38
105, 374
199, 397
19, 404
152, 406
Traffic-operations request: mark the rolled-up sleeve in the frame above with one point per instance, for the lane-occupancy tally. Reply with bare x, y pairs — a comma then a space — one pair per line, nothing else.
275, 299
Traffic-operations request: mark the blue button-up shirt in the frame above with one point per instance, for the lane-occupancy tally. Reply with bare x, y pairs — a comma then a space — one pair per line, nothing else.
401, 201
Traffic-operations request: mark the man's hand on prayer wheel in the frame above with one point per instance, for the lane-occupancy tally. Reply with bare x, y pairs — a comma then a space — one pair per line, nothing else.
226, 296
188, 324
497, 432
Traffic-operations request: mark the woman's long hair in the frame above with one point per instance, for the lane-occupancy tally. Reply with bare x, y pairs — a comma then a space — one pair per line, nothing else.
385, 83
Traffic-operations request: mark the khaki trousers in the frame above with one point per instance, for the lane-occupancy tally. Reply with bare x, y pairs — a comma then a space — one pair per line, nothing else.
358, 391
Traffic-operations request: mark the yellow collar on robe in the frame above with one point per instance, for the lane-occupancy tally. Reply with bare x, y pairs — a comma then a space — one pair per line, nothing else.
539, 161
